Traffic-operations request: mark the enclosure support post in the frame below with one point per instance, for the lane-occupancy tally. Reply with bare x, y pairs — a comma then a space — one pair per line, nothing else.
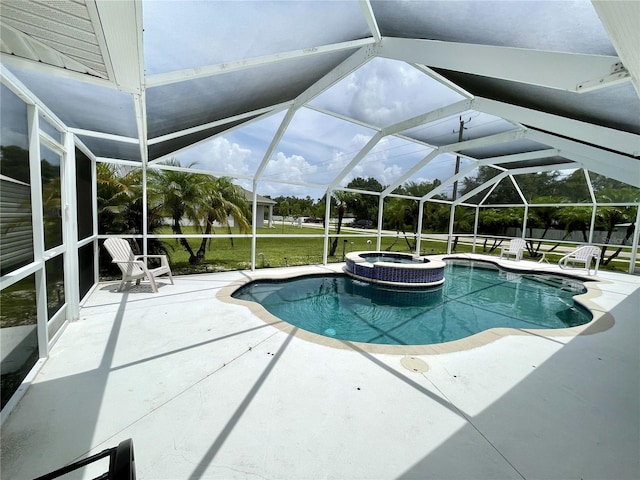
254, 224
452, 216
145, 223
380, 213
594, 203
419, 229
37, 222
70, 228
524, 220
634, 248
593, 222
475, 228
327, 218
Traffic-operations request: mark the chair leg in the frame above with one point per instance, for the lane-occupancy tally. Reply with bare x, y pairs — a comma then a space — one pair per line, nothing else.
154, 287
171, 278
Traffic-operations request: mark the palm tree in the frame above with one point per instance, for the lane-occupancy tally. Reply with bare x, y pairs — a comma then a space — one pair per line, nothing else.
342, 198
115, 193
183, 195
610, 216
225, 200
463, 222
399, 214
495, 221
541, 216
575, 218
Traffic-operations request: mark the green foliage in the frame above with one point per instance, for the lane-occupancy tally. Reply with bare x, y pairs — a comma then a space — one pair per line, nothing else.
14, 162
363, 206
295, 207
178, 196
204, 202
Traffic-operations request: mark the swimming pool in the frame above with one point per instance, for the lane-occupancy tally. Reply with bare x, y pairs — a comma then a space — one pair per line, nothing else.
477, 296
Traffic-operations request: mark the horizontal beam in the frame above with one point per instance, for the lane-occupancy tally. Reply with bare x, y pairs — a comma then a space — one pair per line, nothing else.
227, 67
223, 121
559, 70
104, 136
608, 138
610, 164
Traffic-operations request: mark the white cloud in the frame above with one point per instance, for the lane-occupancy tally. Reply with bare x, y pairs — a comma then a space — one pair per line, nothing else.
293, 168
385, 174
219, 155
384, 92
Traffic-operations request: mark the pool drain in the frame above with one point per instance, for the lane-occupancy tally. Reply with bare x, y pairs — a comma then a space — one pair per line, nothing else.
414, 364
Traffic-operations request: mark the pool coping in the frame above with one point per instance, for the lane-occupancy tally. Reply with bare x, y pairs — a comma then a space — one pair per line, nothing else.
602, 320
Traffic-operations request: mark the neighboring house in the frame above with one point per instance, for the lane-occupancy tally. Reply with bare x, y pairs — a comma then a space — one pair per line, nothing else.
262, 204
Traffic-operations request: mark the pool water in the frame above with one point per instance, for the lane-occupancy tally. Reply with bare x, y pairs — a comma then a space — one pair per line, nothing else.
475, 296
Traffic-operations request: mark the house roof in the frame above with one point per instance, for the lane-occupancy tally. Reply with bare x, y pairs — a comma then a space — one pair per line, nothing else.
261, 200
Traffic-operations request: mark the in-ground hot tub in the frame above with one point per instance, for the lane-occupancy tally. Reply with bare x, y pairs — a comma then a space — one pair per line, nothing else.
397, 269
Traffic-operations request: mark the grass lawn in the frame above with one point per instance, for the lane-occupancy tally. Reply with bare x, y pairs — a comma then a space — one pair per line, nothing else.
221, 254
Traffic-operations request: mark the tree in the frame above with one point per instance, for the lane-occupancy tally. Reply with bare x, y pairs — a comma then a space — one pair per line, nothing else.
463, 222
120, 206
575, 219
574, 187
183, 195
288, 205
544, 217
225, 200
116, 194
341, 198
14, 162
402, 214
611, 216
364, 206
495, 221
398, 215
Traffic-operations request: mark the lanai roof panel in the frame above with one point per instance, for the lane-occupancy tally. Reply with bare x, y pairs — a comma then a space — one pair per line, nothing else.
446, 131
504, 148
101, 147
617, 106
184, 35
82, 105
182, 105
571, 26
167, 147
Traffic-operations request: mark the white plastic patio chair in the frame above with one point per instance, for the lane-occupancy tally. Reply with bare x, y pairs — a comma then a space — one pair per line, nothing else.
582, 255
132, 266
516, 248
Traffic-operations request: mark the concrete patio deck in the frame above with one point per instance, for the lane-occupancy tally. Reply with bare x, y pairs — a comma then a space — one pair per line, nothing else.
207, 389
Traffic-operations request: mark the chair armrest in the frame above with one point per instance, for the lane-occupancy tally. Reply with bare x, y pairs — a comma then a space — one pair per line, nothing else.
163, 259
135, 262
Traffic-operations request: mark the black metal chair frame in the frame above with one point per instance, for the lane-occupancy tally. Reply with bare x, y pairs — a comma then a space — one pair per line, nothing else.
121, 464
